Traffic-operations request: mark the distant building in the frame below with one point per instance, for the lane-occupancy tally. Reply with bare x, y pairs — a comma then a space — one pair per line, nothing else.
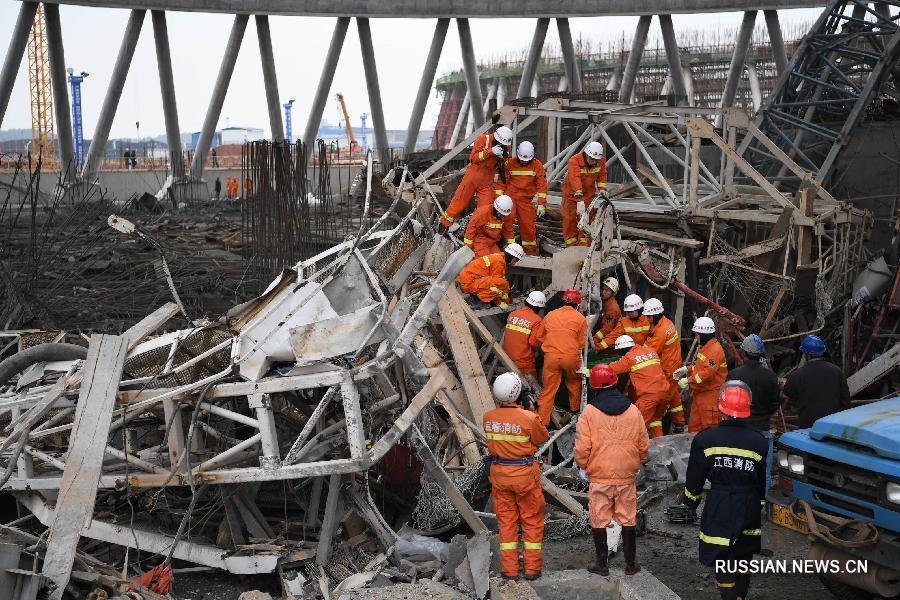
239, 135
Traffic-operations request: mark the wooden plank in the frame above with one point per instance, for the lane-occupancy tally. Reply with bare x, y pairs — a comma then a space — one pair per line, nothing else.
488, 338
149, 324
773, 310
874, 371
87, 443
562, 496
330, 522
465, 354
752, 251
805, 233
647, 234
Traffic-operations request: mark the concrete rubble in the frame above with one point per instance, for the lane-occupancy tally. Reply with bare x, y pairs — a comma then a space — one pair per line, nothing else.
326, 430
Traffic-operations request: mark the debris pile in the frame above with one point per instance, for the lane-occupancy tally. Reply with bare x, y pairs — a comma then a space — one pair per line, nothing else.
328, 428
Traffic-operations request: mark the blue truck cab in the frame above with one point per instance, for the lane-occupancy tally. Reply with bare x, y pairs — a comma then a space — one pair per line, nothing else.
848, 465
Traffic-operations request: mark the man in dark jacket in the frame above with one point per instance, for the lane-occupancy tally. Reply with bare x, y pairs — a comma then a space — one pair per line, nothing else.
818, 388
731, 456
761, 380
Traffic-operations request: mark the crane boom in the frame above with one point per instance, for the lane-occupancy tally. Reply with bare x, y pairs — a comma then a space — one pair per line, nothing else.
40, 90
351, 139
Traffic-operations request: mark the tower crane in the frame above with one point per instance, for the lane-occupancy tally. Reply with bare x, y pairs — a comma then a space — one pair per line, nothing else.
40, 90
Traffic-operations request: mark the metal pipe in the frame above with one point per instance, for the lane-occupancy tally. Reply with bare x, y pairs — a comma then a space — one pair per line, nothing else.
167, 87
424, 91
228, 414
634, 58
471, 70
534, 56
755, 88
573, 72
777, 41
61, 106
374, 89
328, 68
737, 60
214, 110
97, 149
688, 85
14, 53
671, 45
223, 458
270, 78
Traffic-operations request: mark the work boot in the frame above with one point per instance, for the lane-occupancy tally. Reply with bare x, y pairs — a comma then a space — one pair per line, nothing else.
742, 586
629, 544
601, 567
532, 576
678, 428
506, 577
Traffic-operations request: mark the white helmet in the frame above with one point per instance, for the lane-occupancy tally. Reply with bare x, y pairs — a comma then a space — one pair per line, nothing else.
623, 342
594, 150
515, 250
704, 325
633, 302
653, 307
525, 151
503, 205
612, 283
537, 298
507, 388
503, 135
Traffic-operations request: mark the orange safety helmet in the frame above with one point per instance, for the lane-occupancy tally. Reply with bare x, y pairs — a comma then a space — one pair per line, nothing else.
572, 297
602, 376
734, 399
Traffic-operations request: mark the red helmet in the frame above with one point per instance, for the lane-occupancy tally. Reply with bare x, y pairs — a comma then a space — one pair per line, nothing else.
572, 297
602, 376
734, 399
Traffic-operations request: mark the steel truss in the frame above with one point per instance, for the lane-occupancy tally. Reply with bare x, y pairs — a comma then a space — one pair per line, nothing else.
845, 62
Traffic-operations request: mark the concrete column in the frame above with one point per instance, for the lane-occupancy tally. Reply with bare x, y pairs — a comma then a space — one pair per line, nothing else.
613, 83
374, 89
471, 70
738, 58
688, 85
671, 44
460, 119
573, 72
97, 149
167, 87
422, 95
755, 88
15, 52
533, 58
491, 94
777, 41
223, 79
501, 91
270, 78
328, 68
61, 106
634, 58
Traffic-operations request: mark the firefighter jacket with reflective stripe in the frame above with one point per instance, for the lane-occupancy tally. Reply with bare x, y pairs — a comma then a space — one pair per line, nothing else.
513, 432
609, 317
516, 339
484, 229
524, 181
638, 329
562, 332
664, 339
732, 457
583, 182
643, 367
709, 369
484, 271
481, 156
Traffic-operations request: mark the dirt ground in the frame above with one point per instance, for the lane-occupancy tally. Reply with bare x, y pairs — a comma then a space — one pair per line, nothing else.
674, 561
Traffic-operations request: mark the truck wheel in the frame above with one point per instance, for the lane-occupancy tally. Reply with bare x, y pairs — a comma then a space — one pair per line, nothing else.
846, 592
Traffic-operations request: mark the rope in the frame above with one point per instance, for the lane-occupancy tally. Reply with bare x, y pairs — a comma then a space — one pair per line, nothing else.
863, 533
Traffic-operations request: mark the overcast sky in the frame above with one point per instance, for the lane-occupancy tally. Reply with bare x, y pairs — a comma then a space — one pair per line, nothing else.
92, 37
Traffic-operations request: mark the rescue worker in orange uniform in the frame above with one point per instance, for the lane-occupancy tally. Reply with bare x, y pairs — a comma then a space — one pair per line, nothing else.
647, 380
478, 180
525, 181
666, 342
633, 324
490, 224
610, 445
513, 436
561, 337
705, 377
585, 178
485, 276
611, 314
519, 325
